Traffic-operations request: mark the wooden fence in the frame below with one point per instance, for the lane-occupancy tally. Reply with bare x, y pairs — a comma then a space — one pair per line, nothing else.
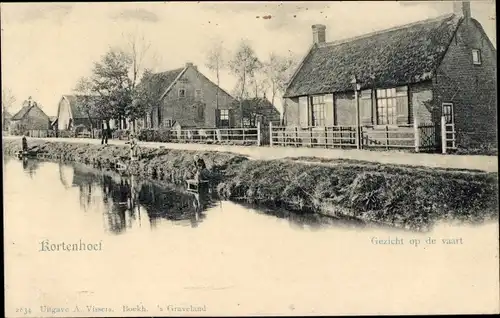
244, 136
419, 138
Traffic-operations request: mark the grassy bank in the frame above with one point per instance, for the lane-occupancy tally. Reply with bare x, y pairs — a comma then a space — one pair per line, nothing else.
399, 195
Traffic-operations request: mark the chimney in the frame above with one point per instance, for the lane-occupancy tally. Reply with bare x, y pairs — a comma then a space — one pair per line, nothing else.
319, 33
462, 9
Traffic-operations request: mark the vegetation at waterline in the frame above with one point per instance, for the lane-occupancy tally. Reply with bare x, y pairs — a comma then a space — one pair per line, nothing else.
398, 195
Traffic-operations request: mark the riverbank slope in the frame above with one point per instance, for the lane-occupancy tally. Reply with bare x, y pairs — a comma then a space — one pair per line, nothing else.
413, 197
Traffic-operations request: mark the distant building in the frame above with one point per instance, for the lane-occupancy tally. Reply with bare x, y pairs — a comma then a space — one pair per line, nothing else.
438, 67
258, 109
29, 117
186, 96
70, 113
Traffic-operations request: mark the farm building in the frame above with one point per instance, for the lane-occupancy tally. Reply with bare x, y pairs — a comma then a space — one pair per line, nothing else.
29, 118
185, 94
70, 112
407, 79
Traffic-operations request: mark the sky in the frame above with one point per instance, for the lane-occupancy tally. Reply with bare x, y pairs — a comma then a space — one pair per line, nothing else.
47, 47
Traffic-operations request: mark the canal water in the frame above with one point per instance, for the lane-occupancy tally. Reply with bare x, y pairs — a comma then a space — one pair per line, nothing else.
149, 244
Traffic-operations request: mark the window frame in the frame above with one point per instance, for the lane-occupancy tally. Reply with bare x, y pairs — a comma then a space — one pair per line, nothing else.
198, 94
390, 94
224, 116
179, 93
317, 110
451, 115
479, 60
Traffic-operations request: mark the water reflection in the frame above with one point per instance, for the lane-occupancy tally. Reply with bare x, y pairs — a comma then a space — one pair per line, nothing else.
30, 167
129, 203
127, 197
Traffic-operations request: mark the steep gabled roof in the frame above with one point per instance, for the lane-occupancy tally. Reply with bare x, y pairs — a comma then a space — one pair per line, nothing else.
161, 83
396, 56
6, 115
25, 110
73, 101
158, 83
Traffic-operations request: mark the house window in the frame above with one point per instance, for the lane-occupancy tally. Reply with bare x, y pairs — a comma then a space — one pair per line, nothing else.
224, 117
182, 93
476, 57
391, 103
168, 123
197, 94
318, 110
448, 112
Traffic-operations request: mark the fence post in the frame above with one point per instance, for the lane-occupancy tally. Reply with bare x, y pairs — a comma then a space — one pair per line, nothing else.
443, 134
310, 136
270, 134
258, 134
386, 137
326, 137
296, 143
417, 134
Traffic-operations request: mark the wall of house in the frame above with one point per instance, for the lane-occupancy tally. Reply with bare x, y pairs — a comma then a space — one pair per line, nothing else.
342, 110
420, 95
345, 109
471, 88
186, 108
63, 115
291, 113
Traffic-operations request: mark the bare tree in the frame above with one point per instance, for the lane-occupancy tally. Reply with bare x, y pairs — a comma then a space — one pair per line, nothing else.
143, 59
215, 62
8, 99
278, 70
243, 66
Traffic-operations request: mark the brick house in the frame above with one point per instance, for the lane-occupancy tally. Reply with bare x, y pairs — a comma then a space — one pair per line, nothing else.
444, 66
187, 96
29, 117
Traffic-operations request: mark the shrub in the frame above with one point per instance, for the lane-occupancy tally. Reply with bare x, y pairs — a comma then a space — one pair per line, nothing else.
120, 134
155, 135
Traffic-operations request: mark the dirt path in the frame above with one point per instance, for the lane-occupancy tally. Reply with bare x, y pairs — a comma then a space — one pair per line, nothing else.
483, 163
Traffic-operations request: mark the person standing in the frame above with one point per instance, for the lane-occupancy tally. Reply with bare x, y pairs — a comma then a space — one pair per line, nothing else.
24, 143
133, 147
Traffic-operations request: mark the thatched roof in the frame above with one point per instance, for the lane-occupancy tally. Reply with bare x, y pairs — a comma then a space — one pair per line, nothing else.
25, 110
397, 56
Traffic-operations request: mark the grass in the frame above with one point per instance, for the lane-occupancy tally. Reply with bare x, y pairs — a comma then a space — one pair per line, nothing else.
411, 197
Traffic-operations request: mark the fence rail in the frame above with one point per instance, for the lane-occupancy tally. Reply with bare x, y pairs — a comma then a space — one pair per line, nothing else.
417, 136
404, 136
210, 135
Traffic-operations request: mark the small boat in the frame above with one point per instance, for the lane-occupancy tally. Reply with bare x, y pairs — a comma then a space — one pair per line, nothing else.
22, 154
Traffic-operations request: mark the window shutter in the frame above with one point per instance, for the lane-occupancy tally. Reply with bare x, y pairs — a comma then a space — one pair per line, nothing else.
232, 122
304, 112
217, 117
402, 109
365, 107
329, 120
